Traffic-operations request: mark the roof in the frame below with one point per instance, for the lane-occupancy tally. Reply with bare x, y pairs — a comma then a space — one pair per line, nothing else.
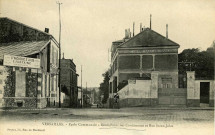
25, 25
52, 37
24, 48
148, 38
118, 41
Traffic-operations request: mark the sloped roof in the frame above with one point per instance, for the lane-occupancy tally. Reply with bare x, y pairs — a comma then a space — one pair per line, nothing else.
6, 18
24, 48
148, 38
48, 34
118, 41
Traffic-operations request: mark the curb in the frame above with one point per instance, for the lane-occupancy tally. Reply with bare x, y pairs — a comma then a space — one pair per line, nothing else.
19, 109
212, 108
142, 108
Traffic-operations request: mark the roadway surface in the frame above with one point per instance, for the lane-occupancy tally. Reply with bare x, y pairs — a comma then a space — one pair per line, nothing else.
136, 120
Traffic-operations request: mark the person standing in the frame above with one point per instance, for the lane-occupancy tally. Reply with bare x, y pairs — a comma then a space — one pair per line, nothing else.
116, 101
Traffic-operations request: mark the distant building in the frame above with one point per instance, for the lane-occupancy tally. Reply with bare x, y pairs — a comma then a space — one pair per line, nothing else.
69, 81
87, 98
28, 66
79, 97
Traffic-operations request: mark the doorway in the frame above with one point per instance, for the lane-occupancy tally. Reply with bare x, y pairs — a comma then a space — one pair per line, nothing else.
204, 92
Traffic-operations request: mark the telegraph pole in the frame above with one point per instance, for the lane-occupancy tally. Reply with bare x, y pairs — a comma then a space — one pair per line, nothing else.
81, 89
59, 79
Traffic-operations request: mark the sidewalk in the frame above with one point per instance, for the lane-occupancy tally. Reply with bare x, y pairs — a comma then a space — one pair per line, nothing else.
174, 108
18, 109
126, 108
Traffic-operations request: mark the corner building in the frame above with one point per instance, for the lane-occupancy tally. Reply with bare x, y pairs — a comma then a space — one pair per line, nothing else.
28, 66
143, 57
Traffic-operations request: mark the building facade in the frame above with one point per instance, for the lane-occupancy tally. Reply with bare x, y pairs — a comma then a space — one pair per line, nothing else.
28, 66
144, 72
144, 56
69, 82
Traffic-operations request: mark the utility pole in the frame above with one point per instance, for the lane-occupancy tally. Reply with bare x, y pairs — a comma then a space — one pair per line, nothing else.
133, 28
81, 89
59, 79
150, 21
108, 55
86, 86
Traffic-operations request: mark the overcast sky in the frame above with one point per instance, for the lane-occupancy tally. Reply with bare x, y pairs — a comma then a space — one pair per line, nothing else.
90, 26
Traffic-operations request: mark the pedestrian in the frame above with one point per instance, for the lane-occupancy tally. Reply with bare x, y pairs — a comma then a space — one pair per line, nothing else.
116, 100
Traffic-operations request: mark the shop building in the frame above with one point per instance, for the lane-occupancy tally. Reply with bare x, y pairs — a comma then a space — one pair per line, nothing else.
28, 66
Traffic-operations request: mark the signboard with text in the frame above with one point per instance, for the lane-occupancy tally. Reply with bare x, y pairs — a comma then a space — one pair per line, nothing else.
18, 61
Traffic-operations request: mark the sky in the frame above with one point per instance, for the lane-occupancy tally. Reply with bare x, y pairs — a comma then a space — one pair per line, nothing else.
90, 26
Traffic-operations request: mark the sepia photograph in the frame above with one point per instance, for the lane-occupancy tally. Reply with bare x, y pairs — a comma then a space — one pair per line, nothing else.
107, 67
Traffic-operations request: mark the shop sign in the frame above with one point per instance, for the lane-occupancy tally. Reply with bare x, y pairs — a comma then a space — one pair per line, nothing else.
18, 61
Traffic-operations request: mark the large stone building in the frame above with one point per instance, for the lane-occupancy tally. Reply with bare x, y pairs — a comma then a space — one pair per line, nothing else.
28, 66
69, 82
144, 72
142, 56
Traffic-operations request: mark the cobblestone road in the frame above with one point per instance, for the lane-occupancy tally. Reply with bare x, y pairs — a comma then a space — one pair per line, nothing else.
140, 120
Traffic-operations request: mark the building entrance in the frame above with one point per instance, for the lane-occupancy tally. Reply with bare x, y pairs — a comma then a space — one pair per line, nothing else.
204, 92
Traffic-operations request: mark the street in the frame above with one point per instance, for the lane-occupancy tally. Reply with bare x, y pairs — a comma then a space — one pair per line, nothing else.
135, 119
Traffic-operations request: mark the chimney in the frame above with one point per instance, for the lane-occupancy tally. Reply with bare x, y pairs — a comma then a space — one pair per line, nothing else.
140, 27
150, 21
63, 55
133, 28
47, 30
126, 33
143, 28
129, 33
166, 30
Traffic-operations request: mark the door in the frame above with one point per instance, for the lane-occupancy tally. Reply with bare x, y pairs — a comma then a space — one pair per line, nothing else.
204, 92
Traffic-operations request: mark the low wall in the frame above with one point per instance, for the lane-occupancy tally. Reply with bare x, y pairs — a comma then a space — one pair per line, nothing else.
137, 93
193, 90
20, 102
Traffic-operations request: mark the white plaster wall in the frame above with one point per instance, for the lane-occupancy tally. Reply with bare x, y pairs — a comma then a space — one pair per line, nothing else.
196, 92
212, 90
191, 94
136, 89
124, 92
154, 85
140, 89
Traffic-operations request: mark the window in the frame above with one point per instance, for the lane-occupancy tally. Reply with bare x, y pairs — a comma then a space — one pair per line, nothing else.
166, 82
